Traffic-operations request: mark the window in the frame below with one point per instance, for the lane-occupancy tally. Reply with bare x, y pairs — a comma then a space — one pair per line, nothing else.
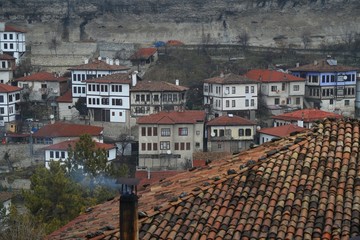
149, 146
227, 103
241, 132
1, 98
10, 36
176, 146
10, 98
143, 146
116, 101
51, 154
165, 132
5, 36
297, 101
105, 101
283, 87
252, 89
11, 45
137, 98
347, 103
149, 132
62, 155
57, 154
227, 90
221, 132
277, 101
252, 102
164, 145
248, 132
182, 146
5, 45
187, 146
143, 131
233, 90
156, 98
247, 89
246, 102
183, 131
155, 147
273, 88
296, 88
43, 85
233, 103
228, 132
331, 101
154, 131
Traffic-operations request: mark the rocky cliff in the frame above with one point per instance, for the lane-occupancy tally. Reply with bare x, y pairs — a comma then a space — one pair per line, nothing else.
190, 21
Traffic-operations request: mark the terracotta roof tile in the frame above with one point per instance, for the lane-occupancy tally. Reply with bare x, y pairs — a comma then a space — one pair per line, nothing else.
230, 121
282, 131
5, 88
42, 77
60, 129
143, 53
99, 65
65, 145
307, 115
266, 75
173, 117
66, 98
322, 66
153, 86
5, 56
10, 28
230, 78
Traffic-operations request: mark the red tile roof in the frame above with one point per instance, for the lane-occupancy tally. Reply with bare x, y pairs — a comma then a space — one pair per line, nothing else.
9, 28
230, 78
66, 98
122, 78
266, 75
99, 65
301, 187
322, 66
307, 115
282, 131
155, 176
143, 53
187, 117
42, 77
153, 86
174, 43
230, 121
5, 56
65, 145
60, 129
4, 88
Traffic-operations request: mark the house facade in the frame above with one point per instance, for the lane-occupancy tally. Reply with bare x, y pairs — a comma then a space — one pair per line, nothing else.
12, 40
303, 118
167, 140
230, 134
67, 110
9, 99
329, 86
7, 67
108, 97
279, 89
144, 57
60, 151
92, 69
231, 94
268, 134
148, 97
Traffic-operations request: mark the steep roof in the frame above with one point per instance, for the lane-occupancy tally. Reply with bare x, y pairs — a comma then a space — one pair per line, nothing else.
173, 117
323, 65
66, 97
307, 115
230, 78
4, 56
5, 88
60, 129
42, 77
99, 65
230, 121
111, 78
300, 187
10, 28
65, 145
143, 53
153, 86
266, 75
282, 131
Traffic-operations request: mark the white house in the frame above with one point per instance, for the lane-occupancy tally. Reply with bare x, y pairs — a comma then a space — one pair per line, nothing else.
167, 140
148, 97
12, 40
7, 67
267, 134
230, 134
92, 69
9, 99
231, 94
60, 151
279, 89
108, 97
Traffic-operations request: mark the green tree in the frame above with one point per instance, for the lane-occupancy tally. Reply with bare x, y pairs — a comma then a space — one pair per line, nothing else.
54, 199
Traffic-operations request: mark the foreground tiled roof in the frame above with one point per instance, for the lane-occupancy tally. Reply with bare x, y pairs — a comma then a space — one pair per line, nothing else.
143, 53
60, 129
230, 78
266, 75
4, 88
282, 131
66, 98
307, 115
230, 121
322, 66
99, 65
153, 86
43, 77
122, 78
65, 145
300, 187
173, 117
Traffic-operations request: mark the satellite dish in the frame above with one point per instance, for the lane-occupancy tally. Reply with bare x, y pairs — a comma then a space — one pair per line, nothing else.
213, 134
345, 77
226, 92
168, 152
51, 116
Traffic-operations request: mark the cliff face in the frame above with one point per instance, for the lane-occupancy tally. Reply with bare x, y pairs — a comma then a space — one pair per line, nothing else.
190, 21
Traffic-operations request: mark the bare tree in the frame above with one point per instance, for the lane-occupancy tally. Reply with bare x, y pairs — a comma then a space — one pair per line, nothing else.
243, 39
348, 39
306, 39
123, 141
54, 43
